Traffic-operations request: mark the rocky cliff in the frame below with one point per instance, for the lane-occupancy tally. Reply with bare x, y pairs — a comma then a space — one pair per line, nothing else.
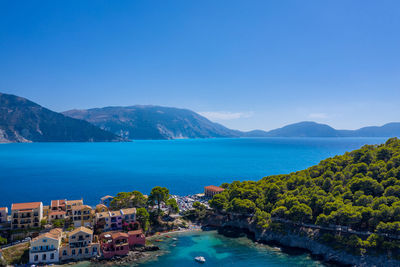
300, 238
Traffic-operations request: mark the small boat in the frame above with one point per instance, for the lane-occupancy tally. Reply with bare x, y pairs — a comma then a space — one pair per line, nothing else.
200, 259
158, 240
174, 238
167, 236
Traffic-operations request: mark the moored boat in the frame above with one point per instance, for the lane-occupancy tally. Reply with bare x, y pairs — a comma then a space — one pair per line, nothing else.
200, 259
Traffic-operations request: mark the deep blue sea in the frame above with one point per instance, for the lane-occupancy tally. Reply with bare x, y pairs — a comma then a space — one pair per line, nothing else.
46, 171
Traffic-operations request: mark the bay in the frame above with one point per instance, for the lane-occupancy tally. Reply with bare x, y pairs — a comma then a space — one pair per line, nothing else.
46, 171
222, 251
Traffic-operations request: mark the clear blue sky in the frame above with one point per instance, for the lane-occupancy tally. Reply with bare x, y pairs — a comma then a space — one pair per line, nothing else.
246, 64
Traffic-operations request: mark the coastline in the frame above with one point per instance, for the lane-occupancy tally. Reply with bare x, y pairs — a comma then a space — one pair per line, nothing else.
298, 240
137, 257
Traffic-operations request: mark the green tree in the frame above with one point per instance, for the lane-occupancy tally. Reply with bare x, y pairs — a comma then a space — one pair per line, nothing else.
300, 213
243, 206
172, 206
158, 195
219, 202
60, 223
392, 191
142, 217
262, 218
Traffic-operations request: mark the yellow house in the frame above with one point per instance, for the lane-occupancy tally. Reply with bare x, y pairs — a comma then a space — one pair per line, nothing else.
45, 248
26, 215
72, 203
81, 245
82, 215
46, 210
101, 208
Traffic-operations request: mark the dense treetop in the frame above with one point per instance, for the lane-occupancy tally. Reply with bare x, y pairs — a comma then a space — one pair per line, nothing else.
360, 189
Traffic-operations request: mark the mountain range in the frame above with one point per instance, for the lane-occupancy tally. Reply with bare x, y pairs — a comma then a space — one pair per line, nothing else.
152, 122
313, 129
22, 120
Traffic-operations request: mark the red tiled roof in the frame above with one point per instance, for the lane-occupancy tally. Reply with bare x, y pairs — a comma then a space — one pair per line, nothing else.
119, 234
3, 208
56, 203
25, 206
136, 232
214, 188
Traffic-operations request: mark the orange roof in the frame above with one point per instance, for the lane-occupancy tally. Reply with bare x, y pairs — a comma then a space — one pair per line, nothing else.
81, 228
136, 232
214, 188
25, 206
119, 234
81, 207
56, 231
105, 197
56, 203
3, 208
52, 234
128, 211
75, 202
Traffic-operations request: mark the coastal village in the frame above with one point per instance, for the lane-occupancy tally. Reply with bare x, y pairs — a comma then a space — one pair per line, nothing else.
70, 231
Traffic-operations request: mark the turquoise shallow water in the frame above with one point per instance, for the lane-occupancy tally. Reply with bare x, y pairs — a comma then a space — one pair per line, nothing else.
222, 251
45, 171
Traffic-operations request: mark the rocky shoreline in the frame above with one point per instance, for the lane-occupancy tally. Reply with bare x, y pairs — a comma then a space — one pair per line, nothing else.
133, 256
297, 241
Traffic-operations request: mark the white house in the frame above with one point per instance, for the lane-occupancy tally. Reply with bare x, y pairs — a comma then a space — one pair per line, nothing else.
45, 248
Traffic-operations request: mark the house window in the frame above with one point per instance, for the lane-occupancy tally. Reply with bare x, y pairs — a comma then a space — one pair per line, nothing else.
64, 253
73, 252
86, 250
44, 240
52, 256
44, 257
80, 251
36, 258
87, 235
94, 249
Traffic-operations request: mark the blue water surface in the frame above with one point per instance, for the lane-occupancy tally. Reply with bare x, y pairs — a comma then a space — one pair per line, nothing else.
226, 252
46, 171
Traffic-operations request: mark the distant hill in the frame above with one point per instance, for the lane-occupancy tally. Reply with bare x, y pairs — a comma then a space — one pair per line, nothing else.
22, 120
313, 129
304, 129
152, 122
388, 130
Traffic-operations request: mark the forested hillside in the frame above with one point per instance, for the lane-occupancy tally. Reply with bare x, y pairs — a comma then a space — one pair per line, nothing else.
360, 189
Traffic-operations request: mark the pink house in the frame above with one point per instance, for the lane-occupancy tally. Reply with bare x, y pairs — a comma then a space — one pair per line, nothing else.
136, 238
114, 244
118, 243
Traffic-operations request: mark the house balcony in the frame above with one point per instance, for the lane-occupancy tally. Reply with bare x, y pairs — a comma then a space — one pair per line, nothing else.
43, 250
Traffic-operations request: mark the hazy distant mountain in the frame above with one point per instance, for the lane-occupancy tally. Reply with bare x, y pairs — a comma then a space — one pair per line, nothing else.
388, 130
304, 129
152, 122
313, 129
24, 121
